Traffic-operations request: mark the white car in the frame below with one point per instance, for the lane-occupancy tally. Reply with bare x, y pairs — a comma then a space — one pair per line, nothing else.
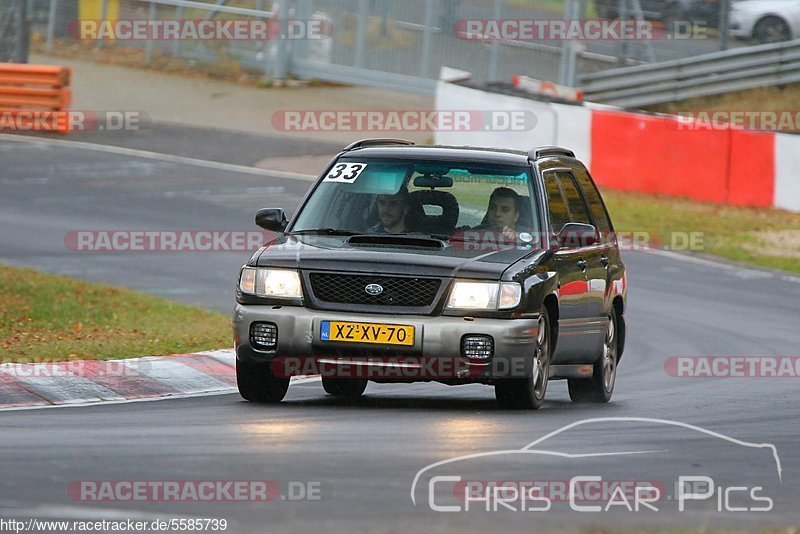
767, 21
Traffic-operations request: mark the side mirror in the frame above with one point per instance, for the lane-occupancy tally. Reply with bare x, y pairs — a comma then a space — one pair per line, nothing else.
273, 219
577, 235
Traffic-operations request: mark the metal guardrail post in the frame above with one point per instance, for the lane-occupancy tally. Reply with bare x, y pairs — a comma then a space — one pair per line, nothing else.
51, 26
494, 52
361, 33
424, 62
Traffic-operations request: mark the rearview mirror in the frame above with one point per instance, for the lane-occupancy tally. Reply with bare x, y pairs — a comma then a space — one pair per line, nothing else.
273, 219
433, 180
577, 235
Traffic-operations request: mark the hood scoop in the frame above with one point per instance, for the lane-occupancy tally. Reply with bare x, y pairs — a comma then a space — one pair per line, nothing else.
396, 240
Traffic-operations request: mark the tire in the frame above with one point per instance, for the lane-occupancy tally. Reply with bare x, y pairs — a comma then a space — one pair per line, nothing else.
257, 383
344, 387
600, 387
528, 393
772, 30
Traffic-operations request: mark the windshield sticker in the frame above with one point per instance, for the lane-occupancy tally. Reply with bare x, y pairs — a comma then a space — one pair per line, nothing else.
345, 172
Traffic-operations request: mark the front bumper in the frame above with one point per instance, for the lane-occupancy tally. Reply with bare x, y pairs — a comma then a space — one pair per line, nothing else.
740, 25
437, 341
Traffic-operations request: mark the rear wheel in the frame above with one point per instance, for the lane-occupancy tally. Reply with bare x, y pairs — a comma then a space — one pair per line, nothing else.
529, 392
344, 387
600, 387
257, 383
772, 30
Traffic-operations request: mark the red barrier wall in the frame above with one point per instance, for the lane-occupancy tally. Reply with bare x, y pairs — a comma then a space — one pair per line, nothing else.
752, 169
656, 154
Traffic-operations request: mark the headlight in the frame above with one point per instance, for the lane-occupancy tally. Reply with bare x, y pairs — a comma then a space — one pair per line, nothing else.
279, 283
484, 296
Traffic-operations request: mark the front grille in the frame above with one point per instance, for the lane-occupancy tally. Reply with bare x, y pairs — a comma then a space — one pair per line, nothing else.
351, 289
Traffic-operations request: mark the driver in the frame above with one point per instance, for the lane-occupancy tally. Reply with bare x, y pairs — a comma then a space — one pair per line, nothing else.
392, 213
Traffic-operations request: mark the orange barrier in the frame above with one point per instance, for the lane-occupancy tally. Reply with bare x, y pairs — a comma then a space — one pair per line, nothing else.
24, 88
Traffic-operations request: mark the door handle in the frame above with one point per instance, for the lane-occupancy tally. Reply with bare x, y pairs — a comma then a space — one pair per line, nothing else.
604, 260
582, 264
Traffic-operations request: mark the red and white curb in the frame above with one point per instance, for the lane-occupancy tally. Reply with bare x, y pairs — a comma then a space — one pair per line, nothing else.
31, 385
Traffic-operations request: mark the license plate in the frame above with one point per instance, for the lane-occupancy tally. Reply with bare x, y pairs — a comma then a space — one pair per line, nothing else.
384, 334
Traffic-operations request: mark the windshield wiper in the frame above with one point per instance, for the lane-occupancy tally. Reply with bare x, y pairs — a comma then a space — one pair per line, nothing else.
324, 231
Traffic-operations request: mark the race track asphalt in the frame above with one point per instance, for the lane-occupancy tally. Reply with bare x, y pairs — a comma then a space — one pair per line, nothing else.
364, 456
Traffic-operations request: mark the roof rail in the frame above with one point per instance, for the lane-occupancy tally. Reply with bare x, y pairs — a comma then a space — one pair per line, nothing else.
545, 151
376, 142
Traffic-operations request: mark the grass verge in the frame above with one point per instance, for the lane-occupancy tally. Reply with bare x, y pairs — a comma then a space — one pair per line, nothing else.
761, 237
777, 98
45, 317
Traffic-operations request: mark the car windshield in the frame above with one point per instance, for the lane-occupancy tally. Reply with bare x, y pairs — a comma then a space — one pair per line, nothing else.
440, 198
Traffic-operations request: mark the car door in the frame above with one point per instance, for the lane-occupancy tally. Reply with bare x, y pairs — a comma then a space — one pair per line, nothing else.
572, 336
583, 198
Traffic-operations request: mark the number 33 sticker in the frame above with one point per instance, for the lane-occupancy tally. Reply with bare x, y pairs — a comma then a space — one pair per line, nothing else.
345, 172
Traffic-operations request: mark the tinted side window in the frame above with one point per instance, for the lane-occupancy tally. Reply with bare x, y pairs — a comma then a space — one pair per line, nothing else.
577, 207
559, 216
596, 206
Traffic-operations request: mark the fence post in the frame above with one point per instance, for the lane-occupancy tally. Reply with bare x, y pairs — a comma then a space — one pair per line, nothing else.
148, 47
424, 62
282, 67
51, 25
361, 33
103, 17
177, 49
494, 53
569, 52
724, 9
24, 35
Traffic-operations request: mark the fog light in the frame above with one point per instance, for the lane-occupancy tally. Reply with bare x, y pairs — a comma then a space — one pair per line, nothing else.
264, 336
477, 347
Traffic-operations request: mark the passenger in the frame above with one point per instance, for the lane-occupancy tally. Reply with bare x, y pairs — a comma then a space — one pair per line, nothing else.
503, 212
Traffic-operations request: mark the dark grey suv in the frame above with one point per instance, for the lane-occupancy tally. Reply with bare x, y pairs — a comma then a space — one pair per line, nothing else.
460, 265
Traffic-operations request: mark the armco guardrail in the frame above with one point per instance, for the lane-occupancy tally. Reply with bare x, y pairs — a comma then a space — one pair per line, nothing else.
24, 88
707, 74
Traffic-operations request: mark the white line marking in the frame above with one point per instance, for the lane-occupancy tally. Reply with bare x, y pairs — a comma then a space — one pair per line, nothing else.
721, 265
121, 151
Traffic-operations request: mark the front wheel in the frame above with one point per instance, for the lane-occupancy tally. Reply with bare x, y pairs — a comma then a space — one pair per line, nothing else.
600, 387
257, 383
528, 392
